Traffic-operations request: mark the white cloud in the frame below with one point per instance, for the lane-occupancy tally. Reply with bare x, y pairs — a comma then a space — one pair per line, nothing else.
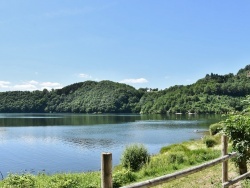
4, 84
50, 84
134, 81
29, 86
33, 82
84, 76
25, 87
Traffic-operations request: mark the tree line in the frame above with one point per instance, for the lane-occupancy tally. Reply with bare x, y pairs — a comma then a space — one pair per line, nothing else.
212, 94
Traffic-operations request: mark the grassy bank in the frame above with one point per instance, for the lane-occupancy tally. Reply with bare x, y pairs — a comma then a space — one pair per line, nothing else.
74, 180
208, 178
170, 159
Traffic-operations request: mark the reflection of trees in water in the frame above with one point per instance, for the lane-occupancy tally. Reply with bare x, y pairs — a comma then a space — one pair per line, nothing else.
91, 119
67, 120
27, 122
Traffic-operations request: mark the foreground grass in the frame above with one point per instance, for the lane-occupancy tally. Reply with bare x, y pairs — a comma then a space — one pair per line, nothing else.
208, 178
170, 159
77, 180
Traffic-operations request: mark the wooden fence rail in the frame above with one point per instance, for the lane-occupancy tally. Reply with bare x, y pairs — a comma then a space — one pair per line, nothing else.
107, 180
177, 175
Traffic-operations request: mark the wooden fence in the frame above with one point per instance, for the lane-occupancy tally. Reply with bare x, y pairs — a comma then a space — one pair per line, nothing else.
107, 170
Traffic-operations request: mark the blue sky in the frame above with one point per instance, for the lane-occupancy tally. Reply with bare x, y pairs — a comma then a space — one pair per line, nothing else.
144, 43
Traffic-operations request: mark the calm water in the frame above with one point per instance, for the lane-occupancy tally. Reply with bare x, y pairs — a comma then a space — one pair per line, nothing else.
74, 142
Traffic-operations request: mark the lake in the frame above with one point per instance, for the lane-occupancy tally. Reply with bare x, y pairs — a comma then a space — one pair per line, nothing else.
54, 143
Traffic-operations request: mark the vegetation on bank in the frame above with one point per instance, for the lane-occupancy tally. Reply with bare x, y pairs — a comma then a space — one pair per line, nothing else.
212, 94
237, 129
74, 180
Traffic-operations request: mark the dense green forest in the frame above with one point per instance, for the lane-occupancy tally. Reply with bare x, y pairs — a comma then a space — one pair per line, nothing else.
212, 94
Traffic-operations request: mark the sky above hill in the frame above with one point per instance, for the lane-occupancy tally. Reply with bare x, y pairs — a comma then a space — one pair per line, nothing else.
143, 43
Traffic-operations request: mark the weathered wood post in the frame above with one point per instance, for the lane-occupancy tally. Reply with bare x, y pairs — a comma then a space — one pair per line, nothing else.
106, 170
224, 144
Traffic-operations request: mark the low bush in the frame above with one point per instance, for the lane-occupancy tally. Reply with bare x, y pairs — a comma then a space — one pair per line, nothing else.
20, 181
134, 157
64, 181
215, 128
209, 141
123, 177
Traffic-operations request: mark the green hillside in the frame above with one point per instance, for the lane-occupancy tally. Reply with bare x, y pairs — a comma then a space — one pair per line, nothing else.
212, 94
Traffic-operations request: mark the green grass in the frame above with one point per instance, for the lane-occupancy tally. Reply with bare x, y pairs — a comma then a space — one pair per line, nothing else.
170, 159
176, 158
70, 180
208, 178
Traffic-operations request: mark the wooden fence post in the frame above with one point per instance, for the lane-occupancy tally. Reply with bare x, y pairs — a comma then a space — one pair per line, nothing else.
106, 171
224, 144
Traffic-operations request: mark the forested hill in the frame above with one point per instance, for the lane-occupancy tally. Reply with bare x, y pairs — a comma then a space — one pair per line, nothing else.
84, 97
212, 94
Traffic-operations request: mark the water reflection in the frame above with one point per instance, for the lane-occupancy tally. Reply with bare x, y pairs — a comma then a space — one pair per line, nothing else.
90, 143
86, 119
74, 142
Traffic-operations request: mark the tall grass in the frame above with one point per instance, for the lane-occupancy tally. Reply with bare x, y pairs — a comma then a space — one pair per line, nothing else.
176, 159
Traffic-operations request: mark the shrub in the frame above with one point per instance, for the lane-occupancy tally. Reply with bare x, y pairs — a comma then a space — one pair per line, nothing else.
134, 157
123, 177
64, 181
21, 181
215, 128
238, 130
209, 141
